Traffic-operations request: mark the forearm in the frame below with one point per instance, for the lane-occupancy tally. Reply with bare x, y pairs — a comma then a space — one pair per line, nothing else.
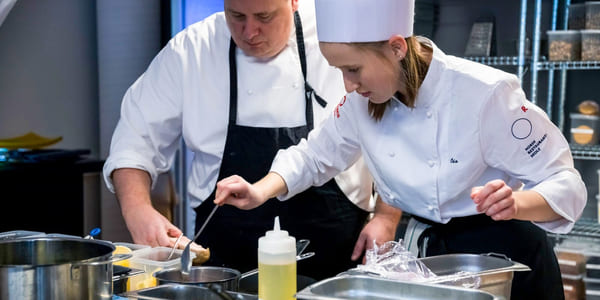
381, 229
531, 206
132, 187
390, 215
271, 186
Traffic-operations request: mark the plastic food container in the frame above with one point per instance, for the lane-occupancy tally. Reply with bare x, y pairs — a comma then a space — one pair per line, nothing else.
564, 45
571, 259
126, 248
584, 129
131, 246
152, 260
573, 287
590, 44
577, 16
592, 15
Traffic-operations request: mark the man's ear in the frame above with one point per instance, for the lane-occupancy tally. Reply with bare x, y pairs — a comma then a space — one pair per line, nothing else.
294, 5
399, 46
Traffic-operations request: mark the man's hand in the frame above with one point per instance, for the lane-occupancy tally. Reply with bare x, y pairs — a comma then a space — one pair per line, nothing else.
381, 228
148, 227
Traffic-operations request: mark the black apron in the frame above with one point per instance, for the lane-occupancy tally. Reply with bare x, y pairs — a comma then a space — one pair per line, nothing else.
324, 215
521, 241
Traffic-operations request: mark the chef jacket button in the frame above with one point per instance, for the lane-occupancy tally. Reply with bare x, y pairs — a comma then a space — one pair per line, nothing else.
430, 207
250, 92
295, 85
431, 163
391, 154
390, 195
429, 114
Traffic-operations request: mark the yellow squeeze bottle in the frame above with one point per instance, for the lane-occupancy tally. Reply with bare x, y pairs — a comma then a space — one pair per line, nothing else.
276, 265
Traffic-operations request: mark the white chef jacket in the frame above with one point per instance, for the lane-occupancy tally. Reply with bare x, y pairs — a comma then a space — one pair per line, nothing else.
471, 124
185, 92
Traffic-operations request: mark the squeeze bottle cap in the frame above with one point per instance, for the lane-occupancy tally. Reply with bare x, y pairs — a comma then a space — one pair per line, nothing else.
277, 240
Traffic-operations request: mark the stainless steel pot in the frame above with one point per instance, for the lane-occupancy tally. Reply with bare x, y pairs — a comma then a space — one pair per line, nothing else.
227, 278
55, 268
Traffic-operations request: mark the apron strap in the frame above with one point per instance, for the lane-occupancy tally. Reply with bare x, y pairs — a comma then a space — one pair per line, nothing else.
308, 90
232, 83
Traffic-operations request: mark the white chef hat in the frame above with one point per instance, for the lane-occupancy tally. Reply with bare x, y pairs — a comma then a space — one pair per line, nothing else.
347, 21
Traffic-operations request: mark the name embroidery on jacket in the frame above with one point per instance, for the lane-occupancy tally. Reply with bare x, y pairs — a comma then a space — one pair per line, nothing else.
534, 147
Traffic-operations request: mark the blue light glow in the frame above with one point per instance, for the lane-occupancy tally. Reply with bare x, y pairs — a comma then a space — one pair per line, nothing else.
196, 10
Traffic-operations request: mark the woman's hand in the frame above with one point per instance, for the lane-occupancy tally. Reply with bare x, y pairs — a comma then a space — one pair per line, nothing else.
495, 199
236, 191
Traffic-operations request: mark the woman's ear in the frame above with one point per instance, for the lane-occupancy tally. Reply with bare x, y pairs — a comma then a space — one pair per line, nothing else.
399, 46
294, 5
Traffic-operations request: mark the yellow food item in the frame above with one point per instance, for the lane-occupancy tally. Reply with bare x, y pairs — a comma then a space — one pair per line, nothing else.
583, 135
144, 280
588, 107
146, 283
202, 254
29, 140
122, 250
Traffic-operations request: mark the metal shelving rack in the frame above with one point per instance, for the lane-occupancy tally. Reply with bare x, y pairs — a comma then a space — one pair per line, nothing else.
584, 228
585, 152
495, 60
568, 65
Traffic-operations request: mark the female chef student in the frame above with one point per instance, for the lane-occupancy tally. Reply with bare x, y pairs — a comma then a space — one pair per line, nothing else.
452, 142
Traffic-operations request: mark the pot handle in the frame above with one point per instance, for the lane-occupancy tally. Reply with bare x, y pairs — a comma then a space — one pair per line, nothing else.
298, 258
76, 266
217, 289
249, 273
498, 255
517, 266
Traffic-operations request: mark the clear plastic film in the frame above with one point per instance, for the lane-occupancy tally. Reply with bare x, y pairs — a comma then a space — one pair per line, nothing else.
393, 261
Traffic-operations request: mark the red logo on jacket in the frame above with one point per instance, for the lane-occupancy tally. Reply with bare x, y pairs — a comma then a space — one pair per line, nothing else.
524, 109
336, 111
